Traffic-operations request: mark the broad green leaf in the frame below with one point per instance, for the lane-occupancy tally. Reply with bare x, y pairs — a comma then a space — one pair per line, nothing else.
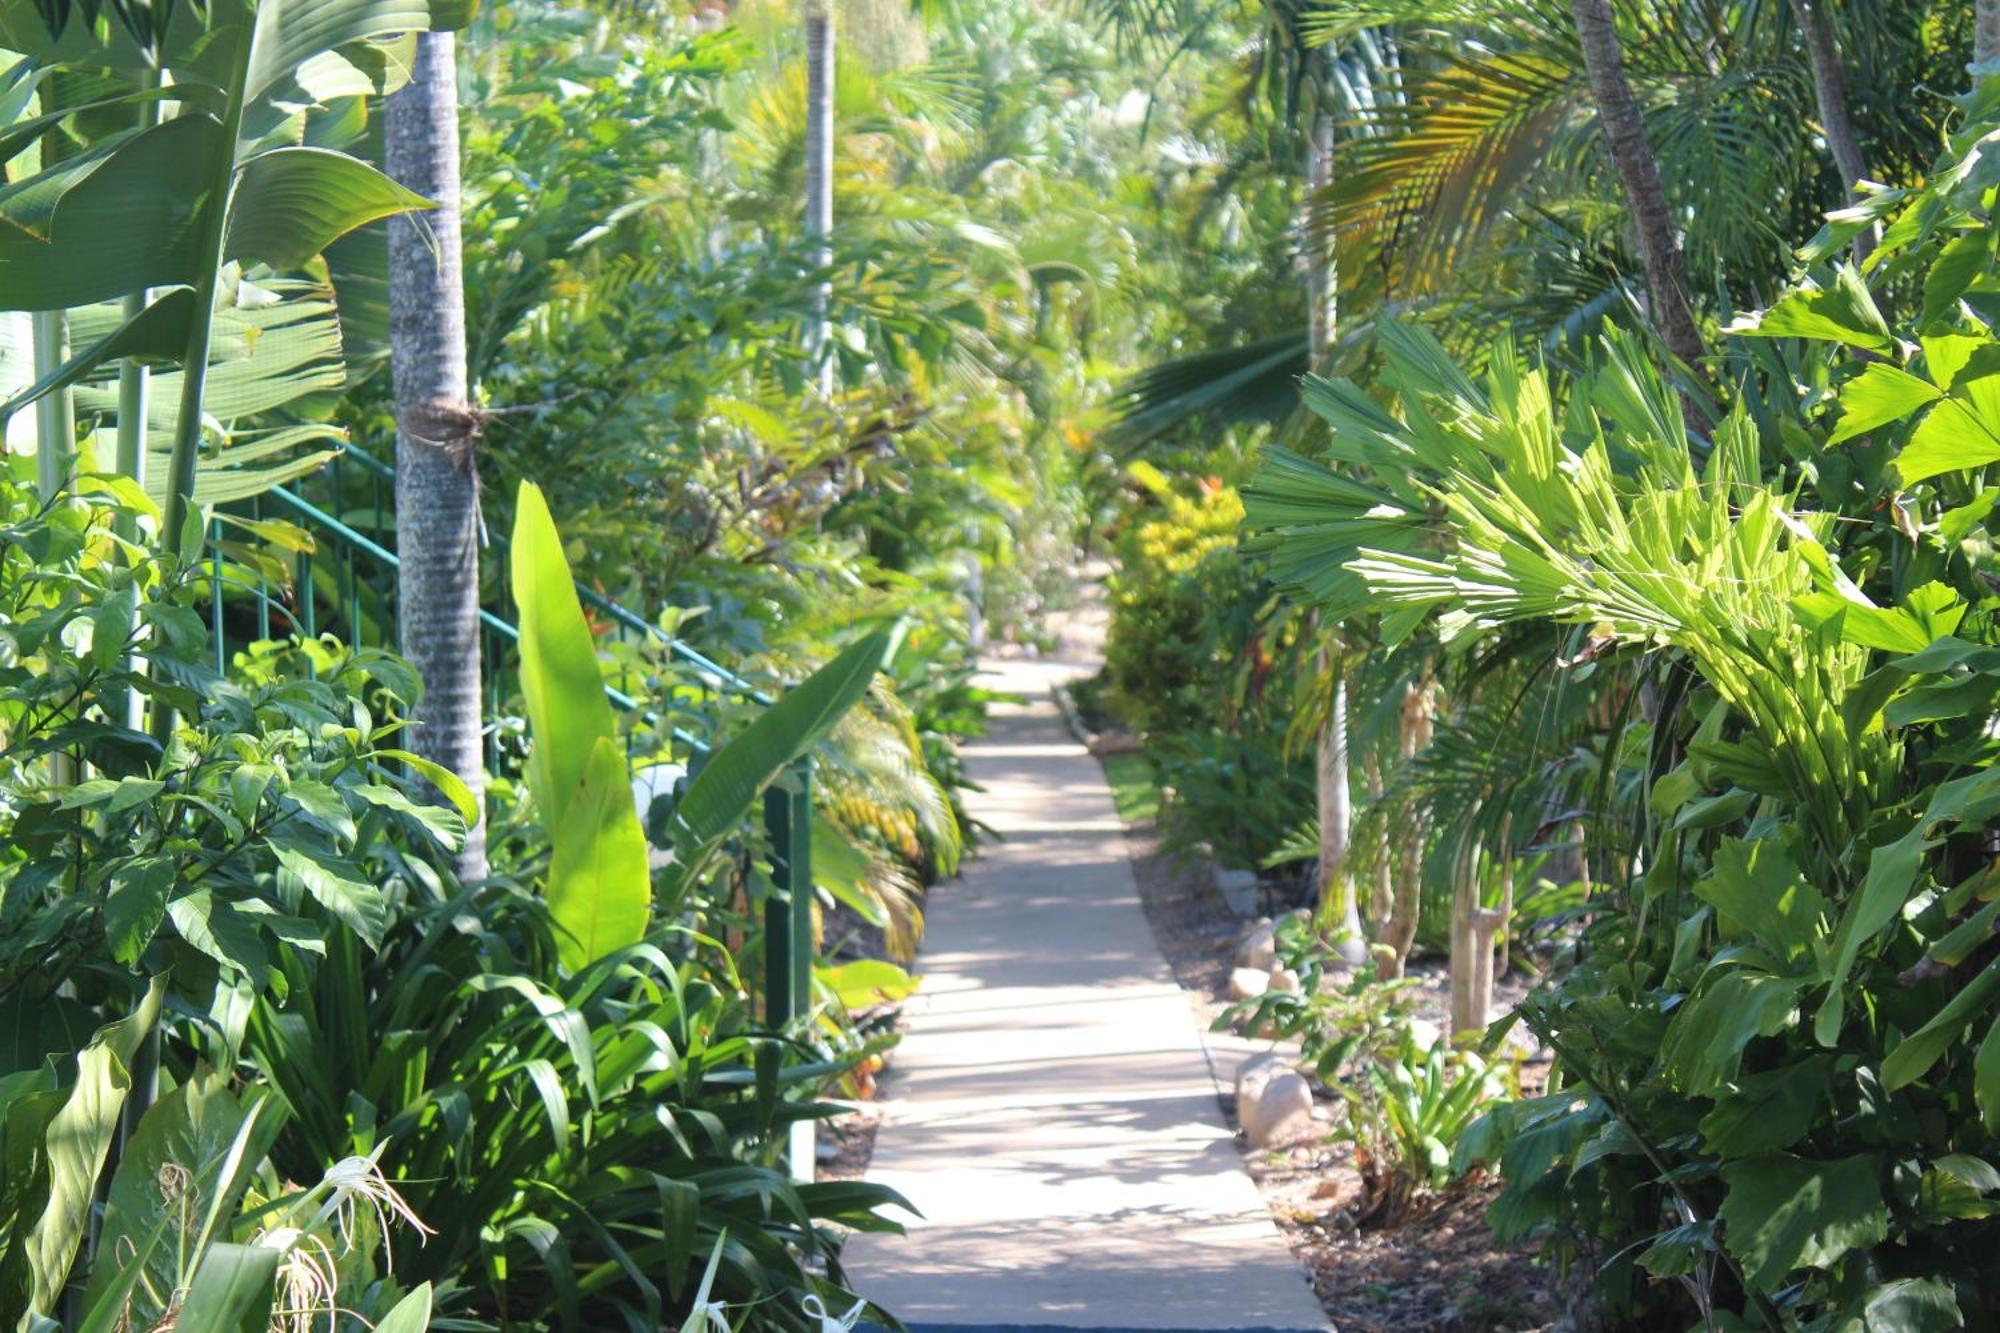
1783, 1213
722, 792
291, 203
1877, 396
1916, 1053
866, 981
158, 332
1767, 1112
560, 681
332, 886
113, 220
216, 927
442, 824
1754, 886
1912, 1305
1958, 263
449, 785
79, 1137
411, 1315
324, 804
233, 1288
600, 888
1951, 438
1986, 1078
1705, 1042
135, 904
197, 1127
1840, 313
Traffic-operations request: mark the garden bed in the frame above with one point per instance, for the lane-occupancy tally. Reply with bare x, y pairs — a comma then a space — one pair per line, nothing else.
1440, 1269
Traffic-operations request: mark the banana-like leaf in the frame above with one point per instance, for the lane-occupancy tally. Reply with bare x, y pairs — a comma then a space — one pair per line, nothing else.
561, 685
723, 792
291, 203
600, 887
123, 215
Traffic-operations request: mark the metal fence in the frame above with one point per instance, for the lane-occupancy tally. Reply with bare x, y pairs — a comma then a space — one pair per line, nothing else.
344, 583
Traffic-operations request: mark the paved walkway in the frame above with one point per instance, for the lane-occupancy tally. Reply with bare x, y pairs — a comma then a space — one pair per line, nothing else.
1051, 1109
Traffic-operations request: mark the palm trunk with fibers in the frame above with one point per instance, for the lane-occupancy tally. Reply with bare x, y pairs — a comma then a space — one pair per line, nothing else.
819, 186
1336, 885
437, 486
1830, 91
1639, 171
1985, 31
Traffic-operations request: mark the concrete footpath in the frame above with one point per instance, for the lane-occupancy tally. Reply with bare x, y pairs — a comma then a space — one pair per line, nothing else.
1051, 1109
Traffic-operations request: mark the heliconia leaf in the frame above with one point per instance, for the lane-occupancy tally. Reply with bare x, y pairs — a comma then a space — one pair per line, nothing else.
291, 203
560, 681
600, 887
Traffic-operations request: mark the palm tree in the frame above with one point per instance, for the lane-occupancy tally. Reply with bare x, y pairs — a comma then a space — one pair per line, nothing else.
1639, 171
1331, 768
437, 482
819, 182
1985, 31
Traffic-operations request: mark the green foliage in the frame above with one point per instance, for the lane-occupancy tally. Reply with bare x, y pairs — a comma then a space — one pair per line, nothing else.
1772, 1045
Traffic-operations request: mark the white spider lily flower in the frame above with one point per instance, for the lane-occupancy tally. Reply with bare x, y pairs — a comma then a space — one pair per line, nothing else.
308, 1280
711, 1313
829, 1323
357, 1182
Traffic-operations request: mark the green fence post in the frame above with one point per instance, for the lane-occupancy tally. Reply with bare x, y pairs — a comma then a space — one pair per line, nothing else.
788, 950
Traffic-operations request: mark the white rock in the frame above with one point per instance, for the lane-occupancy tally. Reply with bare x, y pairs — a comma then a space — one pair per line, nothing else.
1247, 983
1284, 979
1238, 889
1259, 948
1274, 1104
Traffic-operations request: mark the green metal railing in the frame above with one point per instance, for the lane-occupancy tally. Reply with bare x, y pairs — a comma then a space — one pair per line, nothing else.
349, 572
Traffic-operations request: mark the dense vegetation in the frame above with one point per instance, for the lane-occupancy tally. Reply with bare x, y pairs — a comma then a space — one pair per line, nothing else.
1544, 455
1663, 624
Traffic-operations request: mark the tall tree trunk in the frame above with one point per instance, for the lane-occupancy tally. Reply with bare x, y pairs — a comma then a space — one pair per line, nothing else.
1639, 171
437, 483
1336, 885
1830, 91
1985, 31
1406, 899
819, 185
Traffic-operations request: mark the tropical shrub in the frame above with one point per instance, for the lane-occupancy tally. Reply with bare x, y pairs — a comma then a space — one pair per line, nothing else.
1774, 1096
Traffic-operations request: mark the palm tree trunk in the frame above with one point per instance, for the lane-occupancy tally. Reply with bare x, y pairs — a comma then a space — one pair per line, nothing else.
1985, 31
437, 485
1639, 171
819, 186
1830, 91
1336, 885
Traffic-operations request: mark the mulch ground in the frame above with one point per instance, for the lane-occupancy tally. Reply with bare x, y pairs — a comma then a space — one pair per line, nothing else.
1439, 1269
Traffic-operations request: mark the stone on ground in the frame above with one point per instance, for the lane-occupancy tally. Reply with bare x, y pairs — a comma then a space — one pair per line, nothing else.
1274, 1103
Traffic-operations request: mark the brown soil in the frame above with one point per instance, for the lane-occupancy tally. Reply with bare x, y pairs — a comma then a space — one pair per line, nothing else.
1440, 1269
